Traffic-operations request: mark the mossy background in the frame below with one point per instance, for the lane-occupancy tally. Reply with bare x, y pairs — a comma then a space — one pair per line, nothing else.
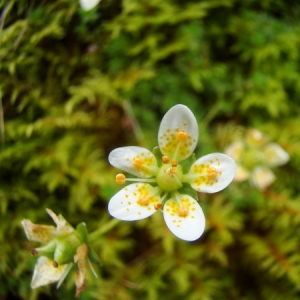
74, 85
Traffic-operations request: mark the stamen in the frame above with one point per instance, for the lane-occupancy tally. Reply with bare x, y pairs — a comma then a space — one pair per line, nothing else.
143, 200
34, 252
55, 264
165, 159
145, 166
179, 182
183, 211
171, 170
211, 172
158, 206
182, 136
163, 197
120, 178
174, 163
140, 179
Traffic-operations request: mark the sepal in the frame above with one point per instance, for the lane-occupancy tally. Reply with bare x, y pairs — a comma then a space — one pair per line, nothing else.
94, 258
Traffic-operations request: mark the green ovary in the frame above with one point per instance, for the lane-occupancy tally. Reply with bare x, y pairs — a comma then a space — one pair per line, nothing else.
251, 158
169, 178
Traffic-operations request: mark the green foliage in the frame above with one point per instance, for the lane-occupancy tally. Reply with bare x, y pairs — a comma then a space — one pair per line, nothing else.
74, 85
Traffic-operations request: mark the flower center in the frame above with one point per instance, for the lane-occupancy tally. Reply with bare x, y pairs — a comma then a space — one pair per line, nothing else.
251, 158
169, 177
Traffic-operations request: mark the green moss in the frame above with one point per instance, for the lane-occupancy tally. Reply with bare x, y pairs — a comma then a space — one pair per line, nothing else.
64, 77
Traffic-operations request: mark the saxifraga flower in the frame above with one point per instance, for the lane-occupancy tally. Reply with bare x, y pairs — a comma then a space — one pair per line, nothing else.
159, 185
63, 247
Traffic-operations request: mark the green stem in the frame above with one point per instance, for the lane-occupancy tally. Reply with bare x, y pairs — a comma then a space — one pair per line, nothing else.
103, 229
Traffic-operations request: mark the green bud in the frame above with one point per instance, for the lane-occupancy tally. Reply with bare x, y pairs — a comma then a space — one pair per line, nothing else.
66, 246
82, 232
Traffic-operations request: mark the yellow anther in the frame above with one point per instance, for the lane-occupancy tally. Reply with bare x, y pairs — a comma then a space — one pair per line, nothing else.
183, 211
143, 200
138, 163
182, 136
174, 163
157, 206
120, 178
171, 170
34, 252
211, 172
165, 159
55, 264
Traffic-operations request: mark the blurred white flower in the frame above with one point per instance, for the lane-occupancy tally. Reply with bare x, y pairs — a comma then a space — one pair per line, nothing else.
64, 247
262, 177
255, 157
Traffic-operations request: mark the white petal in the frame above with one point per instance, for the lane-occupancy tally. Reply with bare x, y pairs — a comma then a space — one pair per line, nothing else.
235, 150
255, 138
134, 202
88, 4
137, 161
80, 259
62, 225
262, 177
178, 119
212, 173
241, 174
275, 155
189, 227
45, 273
38, 233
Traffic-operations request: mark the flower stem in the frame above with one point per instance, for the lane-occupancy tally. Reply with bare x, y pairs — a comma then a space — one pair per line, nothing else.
103, 229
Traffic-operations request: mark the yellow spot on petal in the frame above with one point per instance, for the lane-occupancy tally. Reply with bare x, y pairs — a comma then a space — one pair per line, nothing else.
211, 172
183, 211
143, 200
138, 163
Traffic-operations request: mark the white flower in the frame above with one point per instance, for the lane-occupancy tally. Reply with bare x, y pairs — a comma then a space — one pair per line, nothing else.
159, 184
88, 4
45, 272
275, 155
255, 158
262, 177
63, 248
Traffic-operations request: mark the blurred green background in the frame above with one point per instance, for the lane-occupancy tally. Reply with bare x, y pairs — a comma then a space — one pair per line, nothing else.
76, 84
